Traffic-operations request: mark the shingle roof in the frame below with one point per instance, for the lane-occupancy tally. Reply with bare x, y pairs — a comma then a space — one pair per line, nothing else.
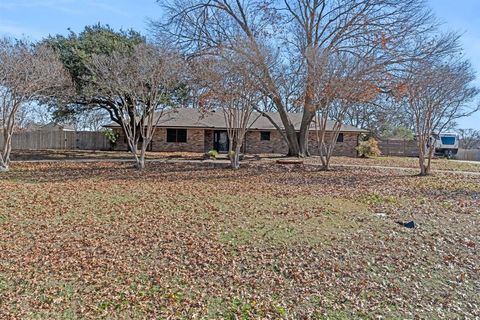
195, 118
55, 126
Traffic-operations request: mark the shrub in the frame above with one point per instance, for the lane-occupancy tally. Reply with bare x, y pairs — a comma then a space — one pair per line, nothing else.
231, 154
212, 154
111, 136
369, 148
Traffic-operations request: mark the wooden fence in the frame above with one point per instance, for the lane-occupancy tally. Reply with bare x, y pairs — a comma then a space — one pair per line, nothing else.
399, 148
408, 148
65, 140
471, 155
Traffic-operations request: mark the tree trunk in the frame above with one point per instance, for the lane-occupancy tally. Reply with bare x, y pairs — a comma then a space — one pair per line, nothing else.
423, 169
235, 158
426, 149
293, 146
141, 159
304, 131
133, 146
5, 153
3, 165
328, 158
421, 157
427, 168
308, 113
290, 133
431, 151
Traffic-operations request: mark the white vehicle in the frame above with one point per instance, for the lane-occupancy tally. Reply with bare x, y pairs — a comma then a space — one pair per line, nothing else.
446, 144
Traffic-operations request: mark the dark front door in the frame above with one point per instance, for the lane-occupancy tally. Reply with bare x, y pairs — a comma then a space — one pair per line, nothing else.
220, 141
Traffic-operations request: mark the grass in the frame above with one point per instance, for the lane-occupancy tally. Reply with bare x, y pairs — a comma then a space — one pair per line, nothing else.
183, 241
410, 162
52, 155
85, 155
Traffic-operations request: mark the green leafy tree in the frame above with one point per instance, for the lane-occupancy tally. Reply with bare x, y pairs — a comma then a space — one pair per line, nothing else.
76, 52
400, 132
118, 72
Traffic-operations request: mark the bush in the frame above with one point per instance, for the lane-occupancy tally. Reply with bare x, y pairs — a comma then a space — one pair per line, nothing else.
369, 148
231, 154
212, 154
111, 136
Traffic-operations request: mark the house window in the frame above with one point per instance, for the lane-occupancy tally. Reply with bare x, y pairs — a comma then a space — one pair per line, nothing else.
265, 136
177, 135
340, 137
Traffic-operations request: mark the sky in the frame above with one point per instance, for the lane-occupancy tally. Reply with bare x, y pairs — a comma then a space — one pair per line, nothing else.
36, 19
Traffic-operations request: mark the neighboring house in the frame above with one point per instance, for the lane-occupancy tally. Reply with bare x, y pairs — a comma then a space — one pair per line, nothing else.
191, 130
29, 127
52, 126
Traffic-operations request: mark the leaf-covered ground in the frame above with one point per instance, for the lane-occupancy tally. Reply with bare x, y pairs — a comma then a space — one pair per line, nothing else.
100, 240
61, 155
441, 164
86, 155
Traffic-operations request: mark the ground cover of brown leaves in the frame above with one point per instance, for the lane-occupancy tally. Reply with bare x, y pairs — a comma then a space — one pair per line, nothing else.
405, 162
101, 240
87, 155
65, 155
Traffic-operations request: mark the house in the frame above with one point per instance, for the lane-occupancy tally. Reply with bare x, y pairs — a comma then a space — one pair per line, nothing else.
49, 127
191, 130
52, 126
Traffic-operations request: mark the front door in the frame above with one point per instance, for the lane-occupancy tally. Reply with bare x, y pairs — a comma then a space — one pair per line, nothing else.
220, 141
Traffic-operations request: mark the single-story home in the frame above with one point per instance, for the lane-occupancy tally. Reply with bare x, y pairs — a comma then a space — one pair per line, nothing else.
193, 130
53, 126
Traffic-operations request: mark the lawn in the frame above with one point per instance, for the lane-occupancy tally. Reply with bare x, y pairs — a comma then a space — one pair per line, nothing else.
441, 164
186, 241
86, 155
66, 155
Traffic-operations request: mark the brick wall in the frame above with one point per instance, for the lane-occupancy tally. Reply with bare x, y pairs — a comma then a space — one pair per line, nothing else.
208, 140
277, 144
346, 148
255, 145
195, 141
200, 140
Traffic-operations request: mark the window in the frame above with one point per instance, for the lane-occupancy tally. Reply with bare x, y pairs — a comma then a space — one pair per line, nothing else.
264, 135
340, 137
177, 135
448, 140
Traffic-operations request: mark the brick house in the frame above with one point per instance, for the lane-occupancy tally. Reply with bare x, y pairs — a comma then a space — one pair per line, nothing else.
190, 130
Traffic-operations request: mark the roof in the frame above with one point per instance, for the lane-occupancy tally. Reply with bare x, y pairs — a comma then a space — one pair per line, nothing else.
195, 118
55, 126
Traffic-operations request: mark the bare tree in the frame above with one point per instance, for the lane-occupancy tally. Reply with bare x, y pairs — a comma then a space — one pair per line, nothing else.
469, 138
230, 86
283, 34
344, 81
28, 73
33, 114
436, 93
139, 84
93, 120
381, 117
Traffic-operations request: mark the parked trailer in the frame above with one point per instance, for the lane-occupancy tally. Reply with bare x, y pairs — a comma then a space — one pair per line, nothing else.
446, 144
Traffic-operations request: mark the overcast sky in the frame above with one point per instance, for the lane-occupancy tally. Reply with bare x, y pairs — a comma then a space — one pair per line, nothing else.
38, 18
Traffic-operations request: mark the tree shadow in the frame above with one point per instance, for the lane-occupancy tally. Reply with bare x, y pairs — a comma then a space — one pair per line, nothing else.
59, 172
